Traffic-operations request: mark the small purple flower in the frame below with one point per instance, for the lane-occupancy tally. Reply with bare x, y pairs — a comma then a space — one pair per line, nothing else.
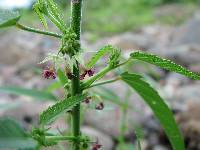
90, 72
100, 106
82, 76
96, 146
49, 74
87, 100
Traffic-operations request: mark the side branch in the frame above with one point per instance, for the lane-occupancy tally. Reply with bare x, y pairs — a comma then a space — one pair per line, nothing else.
29, 29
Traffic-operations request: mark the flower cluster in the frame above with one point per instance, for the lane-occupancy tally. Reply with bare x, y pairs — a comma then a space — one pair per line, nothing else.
96, 146
87, 100
100, 106
90, 73
49, 74
69, 43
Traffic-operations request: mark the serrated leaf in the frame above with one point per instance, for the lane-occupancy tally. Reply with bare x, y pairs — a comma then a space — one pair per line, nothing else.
98, 55
13, 136
38, 95
8, 18
55, 11
62, 77
40, 15
160, 109
164, 63
52, 112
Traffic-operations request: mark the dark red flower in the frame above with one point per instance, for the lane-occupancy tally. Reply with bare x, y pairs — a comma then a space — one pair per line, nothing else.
100, 106
82, 76
49, 74
87, 100
90, 72
96, 146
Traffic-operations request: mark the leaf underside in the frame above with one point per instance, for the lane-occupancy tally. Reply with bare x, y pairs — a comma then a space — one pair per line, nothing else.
62, 77
98, 55
38, 95
160, 109
8, 18
49, 115
13, 136
164, 63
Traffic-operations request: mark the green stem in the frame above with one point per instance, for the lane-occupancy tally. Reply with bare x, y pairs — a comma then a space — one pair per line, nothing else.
56, 22
64, 138
60, 138
104, 82
29, 29
100, 74
75, 24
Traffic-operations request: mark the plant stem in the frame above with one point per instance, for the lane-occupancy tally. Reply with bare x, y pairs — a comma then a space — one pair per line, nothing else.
104, 82
75, 24
63, 138
60, 138
29, 29
100, 74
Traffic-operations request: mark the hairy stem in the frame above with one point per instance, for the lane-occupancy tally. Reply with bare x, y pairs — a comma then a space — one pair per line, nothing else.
64, 138
29, 29
105, 82
60, 138
75, 24
99, 75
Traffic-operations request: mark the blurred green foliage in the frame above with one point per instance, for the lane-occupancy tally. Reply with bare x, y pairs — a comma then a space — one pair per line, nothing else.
106, 17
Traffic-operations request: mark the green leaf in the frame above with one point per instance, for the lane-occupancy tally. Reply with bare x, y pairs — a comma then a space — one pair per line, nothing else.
13, 136
98, 55
160, 109
62, 77
52, 112
38, 95
164, 63
53, 86
55, 11
36, 8
8, 18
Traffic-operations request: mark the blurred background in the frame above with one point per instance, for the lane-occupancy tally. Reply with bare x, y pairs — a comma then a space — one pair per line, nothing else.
169, 28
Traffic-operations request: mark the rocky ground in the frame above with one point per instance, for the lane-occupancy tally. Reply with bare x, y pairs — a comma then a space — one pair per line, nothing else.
21, 52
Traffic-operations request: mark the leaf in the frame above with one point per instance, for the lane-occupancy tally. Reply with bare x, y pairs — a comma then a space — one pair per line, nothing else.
53, 86
52, 112
39, 95
13, 136
8, 18
36, 8
98, 55
55, 11
62, 77
160, 109
164, 63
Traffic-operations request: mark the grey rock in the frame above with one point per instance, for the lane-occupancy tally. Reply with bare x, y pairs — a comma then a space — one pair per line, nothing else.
188, 33
189, 121
25, 48
160, 147
185, 95
27, 113
125, 41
